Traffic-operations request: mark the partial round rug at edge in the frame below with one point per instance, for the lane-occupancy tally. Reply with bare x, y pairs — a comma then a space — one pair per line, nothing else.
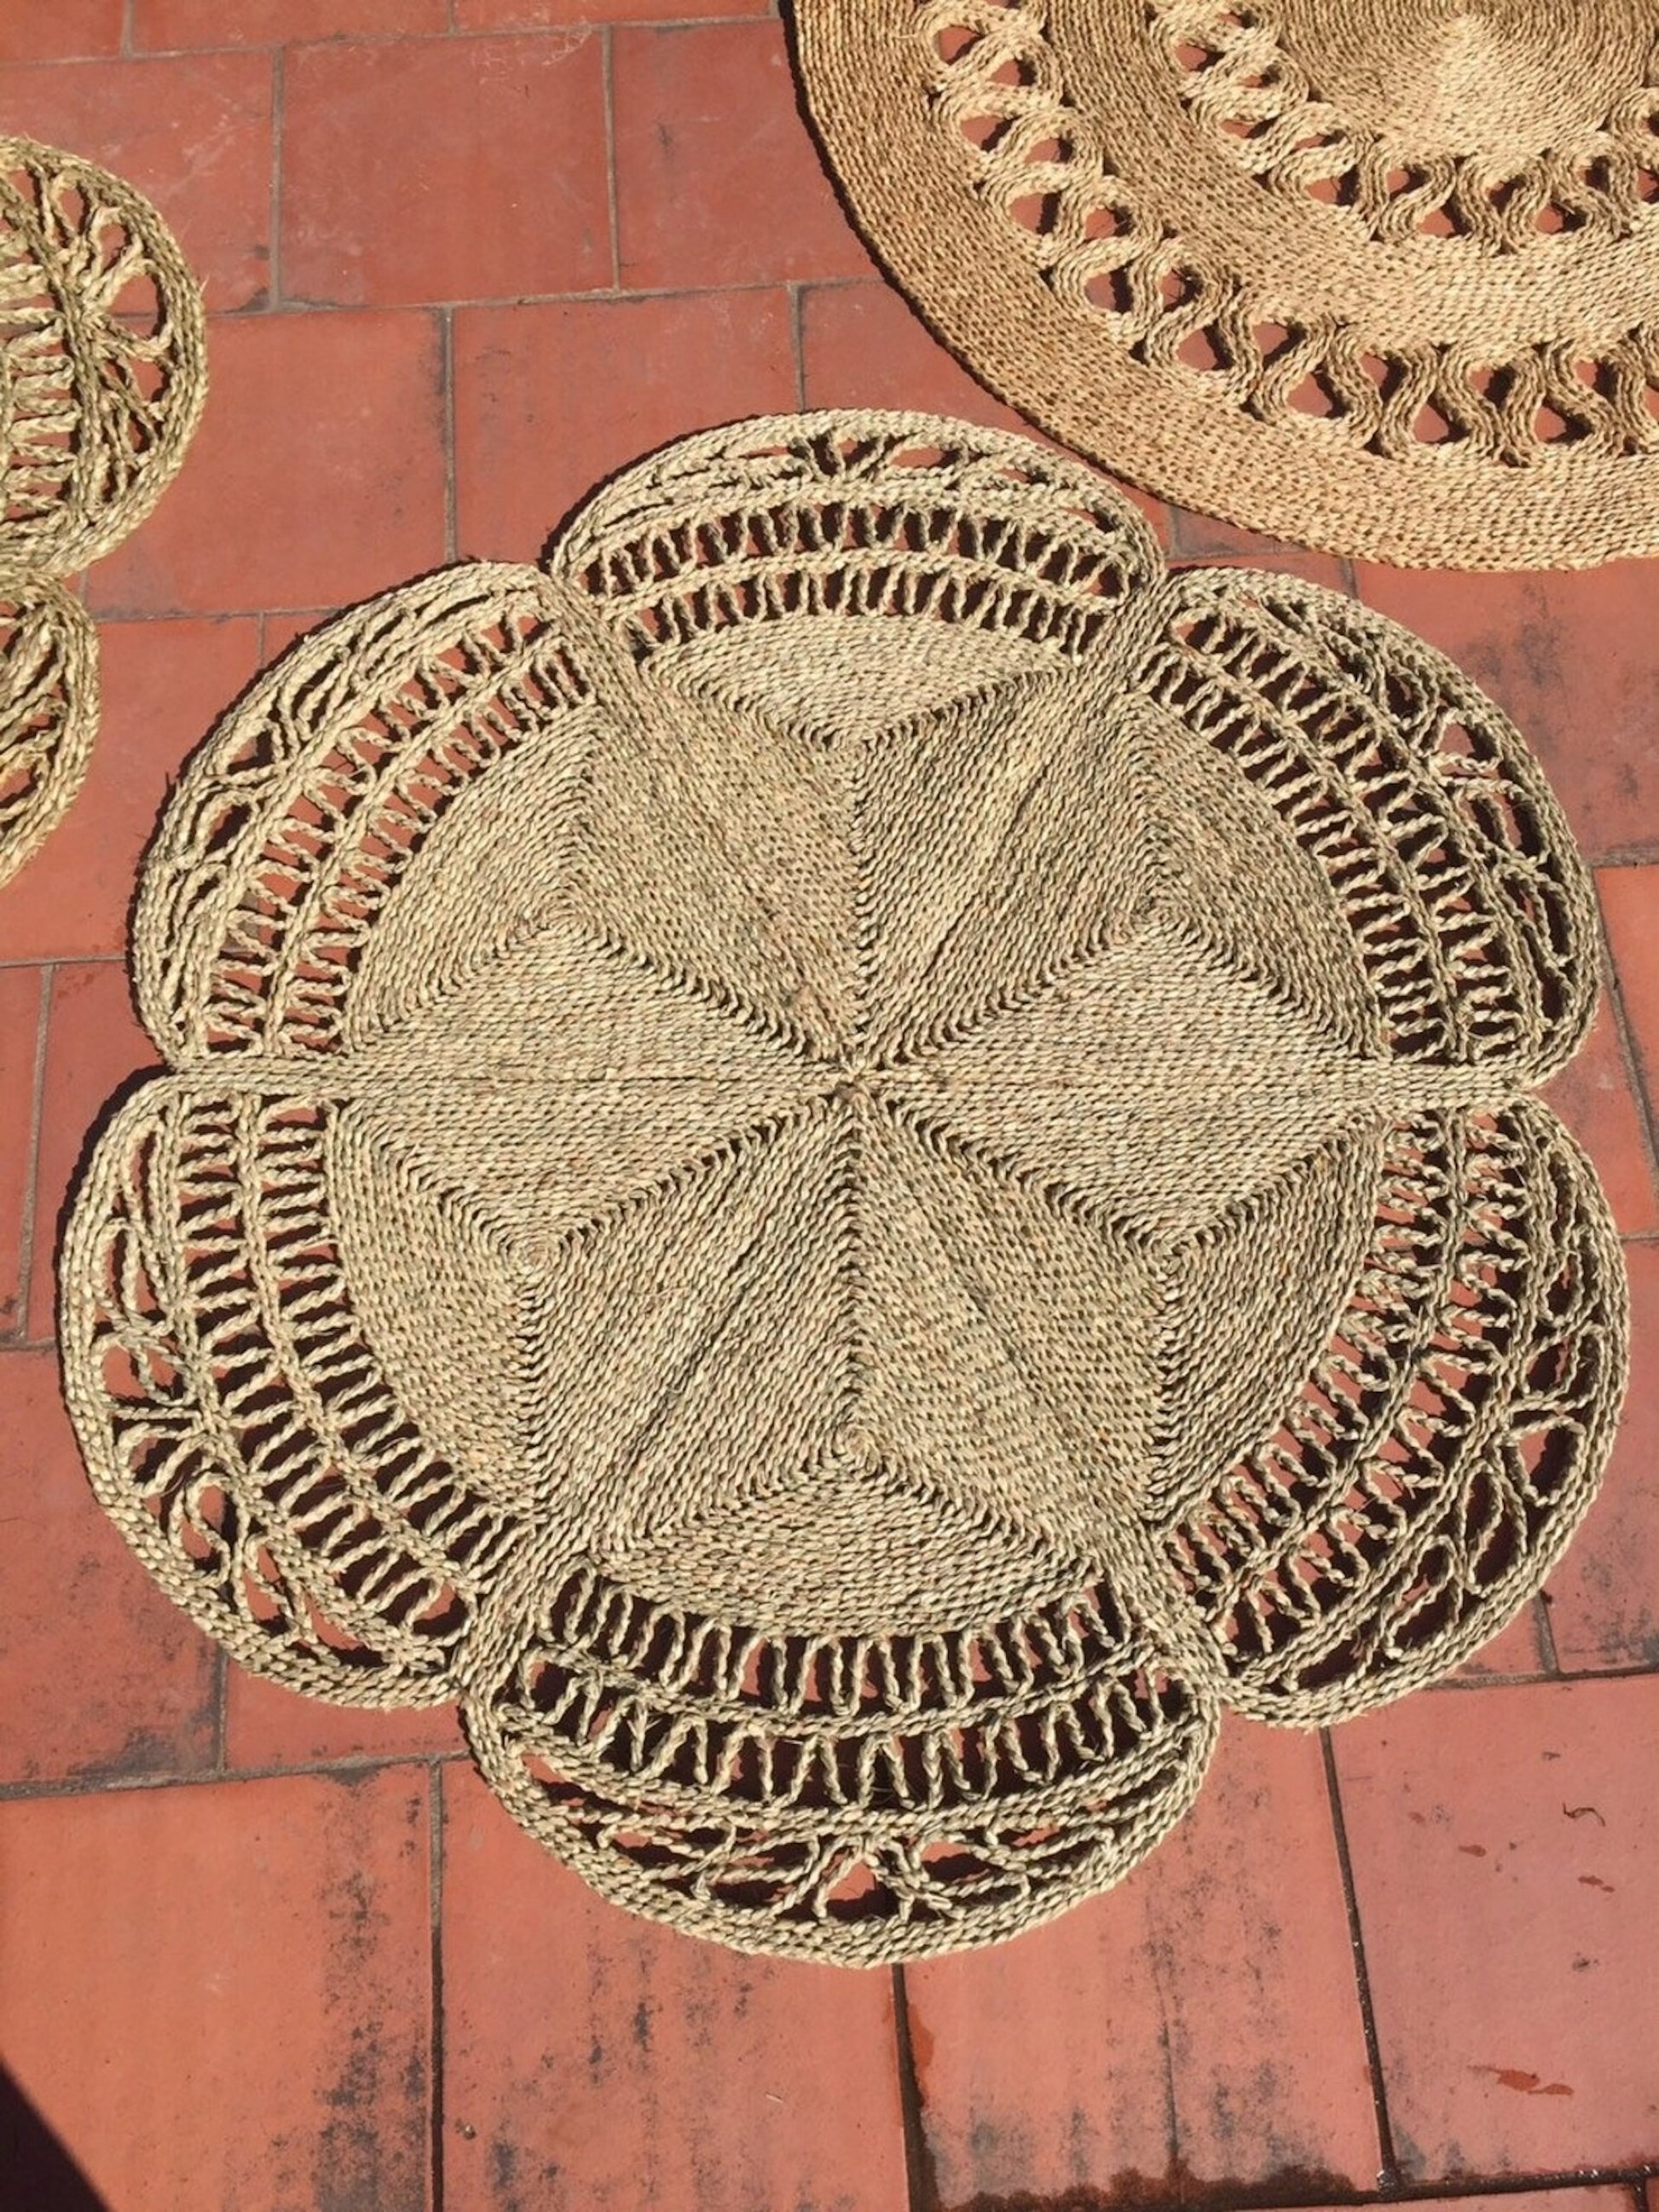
849, 1159
1374, 275
103, 376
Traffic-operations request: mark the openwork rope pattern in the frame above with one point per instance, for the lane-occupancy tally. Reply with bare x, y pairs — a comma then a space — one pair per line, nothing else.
103, 375
848, 1160
1376, 277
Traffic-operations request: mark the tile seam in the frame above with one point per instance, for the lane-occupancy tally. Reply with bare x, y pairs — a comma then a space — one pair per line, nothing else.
921, 2189
1389, 2171
29, 1226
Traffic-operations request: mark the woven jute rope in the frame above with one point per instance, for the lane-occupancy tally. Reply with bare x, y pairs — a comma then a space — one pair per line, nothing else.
103, 375
848, 1160
1377, 276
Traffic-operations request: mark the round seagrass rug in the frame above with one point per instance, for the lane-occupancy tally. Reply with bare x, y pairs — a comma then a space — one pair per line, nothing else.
850, 1161
103, 374
1377, 276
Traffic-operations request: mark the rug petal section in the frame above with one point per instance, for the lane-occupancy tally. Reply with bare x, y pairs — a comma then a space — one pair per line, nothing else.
1432, 1468
863, 1799
236, 1423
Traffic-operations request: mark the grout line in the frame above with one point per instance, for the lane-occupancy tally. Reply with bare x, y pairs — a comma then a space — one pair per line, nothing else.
560, 31
1631, 1059
446, 424
1631, 1670
608, 78
63, 959
1520, 2185
435, 1891
1389, 2174
128, 12
221, 1708
1459, 2187
1546, 1634
797, 339
922, 2190
278, 95
592, 295
358, 1764
1634, 1671
31, 1166
1461, 1682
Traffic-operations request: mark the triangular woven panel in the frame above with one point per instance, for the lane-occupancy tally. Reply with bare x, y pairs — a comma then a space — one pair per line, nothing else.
103, 375
849, 1160
1377, 276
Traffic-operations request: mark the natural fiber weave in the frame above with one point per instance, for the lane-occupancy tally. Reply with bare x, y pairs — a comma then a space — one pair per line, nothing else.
850, 1161
103, 374
103, 360
48, 709
1378, 276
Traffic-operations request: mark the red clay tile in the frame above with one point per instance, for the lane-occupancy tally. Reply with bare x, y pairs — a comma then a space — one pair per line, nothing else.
1205, 539
61, 31
551, 398
19, 1026
531, 14
1503, 1847
1574, 659
718, 181
218, 1995
599, 2063
170, 24
1594, 1096
281, 630
1605, 1594
103, 1676
164, 685
93, 1041
266, 1725
451, 169
1517, 1649
317, 477
1629, 907
1268, 553
192, 132
1197, 2027
862, 346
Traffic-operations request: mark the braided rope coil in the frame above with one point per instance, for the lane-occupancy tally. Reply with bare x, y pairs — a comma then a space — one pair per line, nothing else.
848, 1160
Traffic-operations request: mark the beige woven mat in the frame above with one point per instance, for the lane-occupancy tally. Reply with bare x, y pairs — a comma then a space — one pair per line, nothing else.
850, 1161
103, 374
1378, 276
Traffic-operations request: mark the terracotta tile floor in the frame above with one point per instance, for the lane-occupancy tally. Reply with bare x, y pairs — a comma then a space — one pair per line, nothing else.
464, 257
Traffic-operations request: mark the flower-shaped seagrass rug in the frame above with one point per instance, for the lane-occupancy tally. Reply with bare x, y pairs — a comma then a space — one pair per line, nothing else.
1375, 275
103, 374
850, 1161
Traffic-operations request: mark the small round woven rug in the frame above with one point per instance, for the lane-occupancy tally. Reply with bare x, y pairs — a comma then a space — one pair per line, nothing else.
849, 1160
103, 375
1377, 276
